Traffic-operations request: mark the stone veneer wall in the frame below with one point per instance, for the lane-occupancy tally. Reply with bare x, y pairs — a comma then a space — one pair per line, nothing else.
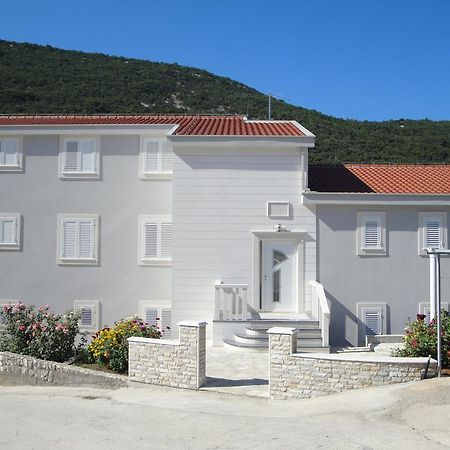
168, 362
303, 375
18, 369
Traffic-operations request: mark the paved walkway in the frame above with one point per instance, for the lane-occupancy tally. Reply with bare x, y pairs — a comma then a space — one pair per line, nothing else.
237, 372
243, 372
408, 416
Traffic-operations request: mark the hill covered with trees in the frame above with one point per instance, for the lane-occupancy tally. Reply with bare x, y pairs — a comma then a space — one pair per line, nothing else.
41, 79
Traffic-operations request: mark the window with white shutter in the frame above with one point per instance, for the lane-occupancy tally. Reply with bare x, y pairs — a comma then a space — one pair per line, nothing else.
79, 157
10, 225
10, 154
156, 158
371, 236
78, 239
89, 315
424, 308
155, 240
372, 319
432, 230
157, 313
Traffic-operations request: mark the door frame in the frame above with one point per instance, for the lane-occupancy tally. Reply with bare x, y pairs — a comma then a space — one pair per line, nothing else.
299, 279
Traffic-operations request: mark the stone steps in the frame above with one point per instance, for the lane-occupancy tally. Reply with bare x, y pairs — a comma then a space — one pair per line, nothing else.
256, 338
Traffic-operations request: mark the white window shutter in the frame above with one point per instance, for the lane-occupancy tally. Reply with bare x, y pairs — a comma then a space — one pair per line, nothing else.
69, 237
151, 156
86, 240
10, 152
166, 158
433, 233
166, 322
166, 240
371, 234
151, 316
87, 156
373, 320
8, 231
87, 316
71, 156
150, 239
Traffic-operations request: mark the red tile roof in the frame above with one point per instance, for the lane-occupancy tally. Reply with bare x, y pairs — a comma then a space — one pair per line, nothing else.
381, 178
187, 125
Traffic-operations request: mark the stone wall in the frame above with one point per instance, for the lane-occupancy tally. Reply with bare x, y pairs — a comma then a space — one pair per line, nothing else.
172, 363
303, 375
18, 369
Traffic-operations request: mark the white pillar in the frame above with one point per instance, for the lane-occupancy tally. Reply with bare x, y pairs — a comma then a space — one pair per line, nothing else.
433, 285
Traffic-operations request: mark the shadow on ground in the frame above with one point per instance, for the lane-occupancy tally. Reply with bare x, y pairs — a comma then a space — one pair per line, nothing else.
226, 382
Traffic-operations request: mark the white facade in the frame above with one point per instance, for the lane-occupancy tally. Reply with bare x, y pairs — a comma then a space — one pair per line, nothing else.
220, 214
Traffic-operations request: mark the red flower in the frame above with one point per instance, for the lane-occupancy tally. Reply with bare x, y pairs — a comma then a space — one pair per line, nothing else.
421, 316
414, 342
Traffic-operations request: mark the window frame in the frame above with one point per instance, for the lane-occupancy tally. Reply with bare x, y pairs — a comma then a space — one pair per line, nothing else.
361, 307
442, 217
78, 175
62, 218
19, 166
158, 261
424, 306
159, 305
18, 235
362, 217
145, 175
95, 306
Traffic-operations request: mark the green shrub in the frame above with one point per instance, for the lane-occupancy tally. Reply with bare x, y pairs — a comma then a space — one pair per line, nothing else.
420, 338
39, 333
109, 346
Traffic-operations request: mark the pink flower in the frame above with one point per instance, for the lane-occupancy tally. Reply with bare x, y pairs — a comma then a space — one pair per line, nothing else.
22, 328
414, 342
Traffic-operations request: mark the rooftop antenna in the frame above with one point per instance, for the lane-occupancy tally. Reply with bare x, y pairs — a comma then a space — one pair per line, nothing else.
270, 94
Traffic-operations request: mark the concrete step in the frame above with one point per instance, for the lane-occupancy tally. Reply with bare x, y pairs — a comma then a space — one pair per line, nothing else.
303, 333
264, 347
245, 346
307, 341
269, 323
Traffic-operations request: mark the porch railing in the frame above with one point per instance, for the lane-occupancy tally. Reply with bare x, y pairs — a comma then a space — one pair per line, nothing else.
231, 301
321, 311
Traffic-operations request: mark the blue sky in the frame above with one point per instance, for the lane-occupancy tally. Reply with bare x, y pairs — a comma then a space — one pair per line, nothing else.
363, 59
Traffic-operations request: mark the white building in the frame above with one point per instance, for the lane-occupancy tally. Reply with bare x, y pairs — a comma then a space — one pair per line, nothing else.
209, 218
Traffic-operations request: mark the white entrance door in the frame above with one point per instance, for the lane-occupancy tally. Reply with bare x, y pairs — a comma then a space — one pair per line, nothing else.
278, 275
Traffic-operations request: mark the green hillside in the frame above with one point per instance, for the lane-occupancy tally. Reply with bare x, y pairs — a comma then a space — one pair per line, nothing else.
43, 79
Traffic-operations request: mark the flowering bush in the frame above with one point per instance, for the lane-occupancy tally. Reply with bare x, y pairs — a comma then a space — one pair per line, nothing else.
41, 334
420, 338
109, 346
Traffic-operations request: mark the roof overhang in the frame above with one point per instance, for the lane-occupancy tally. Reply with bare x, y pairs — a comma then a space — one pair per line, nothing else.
138, 129
242, 141
337, 198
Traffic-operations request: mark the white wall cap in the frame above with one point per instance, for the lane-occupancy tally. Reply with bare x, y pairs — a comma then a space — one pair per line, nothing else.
191, 323
143, 340
281, 330
365, 359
